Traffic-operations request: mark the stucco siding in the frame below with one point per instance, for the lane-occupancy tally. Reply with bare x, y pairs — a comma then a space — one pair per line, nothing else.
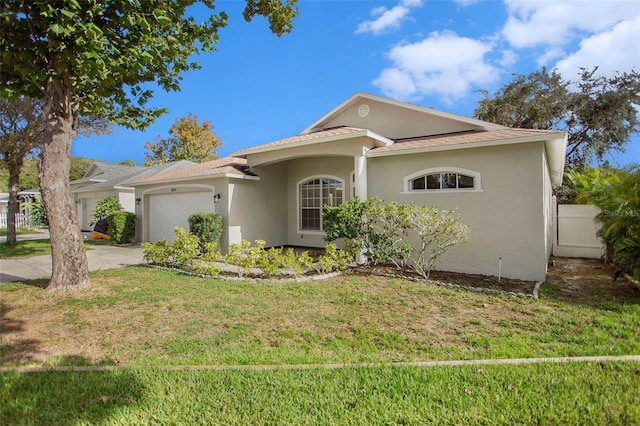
297, 170
258, 209
506, 217
395, 122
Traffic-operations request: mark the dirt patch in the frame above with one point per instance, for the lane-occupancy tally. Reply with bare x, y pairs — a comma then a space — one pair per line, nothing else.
587, 281
466, 280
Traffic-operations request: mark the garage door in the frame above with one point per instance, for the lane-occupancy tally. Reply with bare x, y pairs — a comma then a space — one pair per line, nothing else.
166, 211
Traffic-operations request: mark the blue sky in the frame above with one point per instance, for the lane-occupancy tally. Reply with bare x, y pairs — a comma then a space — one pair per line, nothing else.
257, 88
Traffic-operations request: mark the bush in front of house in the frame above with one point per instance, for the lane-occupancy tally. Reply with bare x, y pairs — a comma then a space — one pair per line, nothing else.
207, 227
381, 231
181, 252
121, 226
105, 206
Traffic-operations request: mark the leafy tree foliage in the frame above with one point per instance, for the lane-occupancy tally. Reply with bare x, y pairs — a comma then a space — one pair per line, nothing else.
620, 225
100, 59
21, 132
188, 140
382, 232
598, 113
105, 206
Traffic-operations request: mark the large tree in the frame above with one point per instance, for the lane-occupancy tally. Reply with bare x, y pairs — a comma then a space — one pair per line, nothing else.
599, 113
101, 58
21, 132
188, 140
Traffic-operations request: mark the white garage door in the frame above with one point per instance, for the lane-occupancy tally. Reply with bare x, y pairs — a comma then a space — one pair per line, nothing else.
166, 211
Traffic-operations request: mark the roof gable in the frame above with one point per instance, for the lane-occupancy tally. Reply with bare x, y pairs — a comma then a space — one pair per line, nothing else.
396, 120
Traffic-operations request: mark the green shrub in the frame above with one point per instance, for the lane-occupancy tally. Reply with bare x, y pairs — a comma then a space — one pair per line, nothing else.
205, 268
158, 253
37, 211
620, 225
105, 206
181, 252
334, 259
212, 253
207, 227
184, 248
270, 261
121, 227
437, 231
381, 231
297, 263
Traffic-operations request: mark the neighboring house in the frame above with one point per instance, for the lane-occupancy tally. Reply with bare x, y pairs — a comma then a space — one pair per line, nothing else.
104, 179
25, 198
499, 179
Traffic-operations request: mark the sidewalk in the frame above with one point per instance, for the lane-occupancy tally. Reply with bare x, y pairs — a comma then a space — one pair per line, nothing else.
99, 257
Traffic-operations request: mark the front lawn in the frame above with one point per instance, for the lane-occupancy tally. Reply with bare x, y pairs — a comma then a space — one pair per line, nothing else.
28, 248
145, 318
549, 394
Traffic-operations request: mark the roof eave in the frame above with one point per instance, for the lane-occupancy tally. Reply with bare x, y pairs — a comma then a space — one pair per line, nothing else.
200, 177
499, 142
380, 141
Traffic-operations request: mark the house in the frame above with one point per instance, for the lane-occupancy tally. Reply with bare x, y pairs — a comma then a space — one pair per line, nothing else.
111, 180
499, 179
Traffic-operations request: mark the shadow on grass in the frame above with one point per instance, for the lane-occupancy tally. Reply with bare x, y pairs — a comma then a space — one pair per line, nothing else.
14, 352
68, 397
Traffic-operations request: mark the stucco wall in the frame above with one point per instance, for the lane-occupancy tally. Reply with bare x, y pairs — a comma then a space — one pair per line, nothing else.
258, 209
395, 122
506, 218
302, 168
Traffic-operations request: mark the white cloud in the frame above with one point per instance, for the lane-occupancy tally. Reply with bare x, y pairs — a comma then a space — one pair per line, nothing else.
388, 19
536, 23
613, 50
444, 64
509, 58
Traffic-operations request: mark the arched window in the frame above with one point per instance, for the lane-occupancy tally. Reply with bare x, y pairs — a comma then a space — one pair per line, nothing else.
443, 179
313, 194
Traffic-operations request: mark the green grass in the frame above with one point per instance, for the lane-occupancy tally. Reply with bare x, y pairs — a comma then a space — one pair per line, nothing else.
28, 248
147, 318
548, 394
19, 231
142, 316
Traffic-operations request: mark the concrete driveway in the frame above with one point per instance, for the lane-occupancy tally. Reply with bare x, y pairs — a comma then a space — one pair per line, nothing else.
99, 257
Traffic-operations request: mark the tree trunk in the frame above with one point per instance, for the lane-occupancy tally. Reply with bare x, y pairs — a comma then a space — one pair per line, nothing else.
13, 207
70, 268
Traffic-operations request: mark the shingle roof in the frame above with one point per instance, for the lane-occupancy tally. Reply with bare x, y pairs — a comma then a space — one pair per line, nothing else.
464, 138
329, 133
114, 175
222, 166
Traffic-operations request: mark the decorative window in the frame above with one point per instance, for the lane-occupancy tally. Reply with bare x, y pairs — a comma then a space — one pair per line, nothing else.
442, 179
314, 194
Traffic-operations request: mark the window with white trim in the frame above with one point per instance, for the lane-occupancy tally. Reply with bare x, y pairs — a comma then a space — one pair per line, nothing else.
314, 194
442, 179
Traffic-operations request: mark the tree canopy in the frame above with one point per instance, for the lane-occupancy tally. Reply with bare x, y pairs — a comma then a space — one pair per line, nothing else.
101, 59
188, 140
598, 113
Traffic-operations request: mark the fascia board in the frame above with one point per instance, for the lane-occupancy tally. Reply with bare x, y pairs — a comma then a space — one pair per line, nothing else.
191, 178
511, 141
364, 132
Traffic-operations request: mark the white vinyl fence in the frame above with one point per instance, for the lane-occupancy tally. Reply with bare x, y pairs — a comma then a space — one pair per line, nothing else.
22, 220
576, 232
